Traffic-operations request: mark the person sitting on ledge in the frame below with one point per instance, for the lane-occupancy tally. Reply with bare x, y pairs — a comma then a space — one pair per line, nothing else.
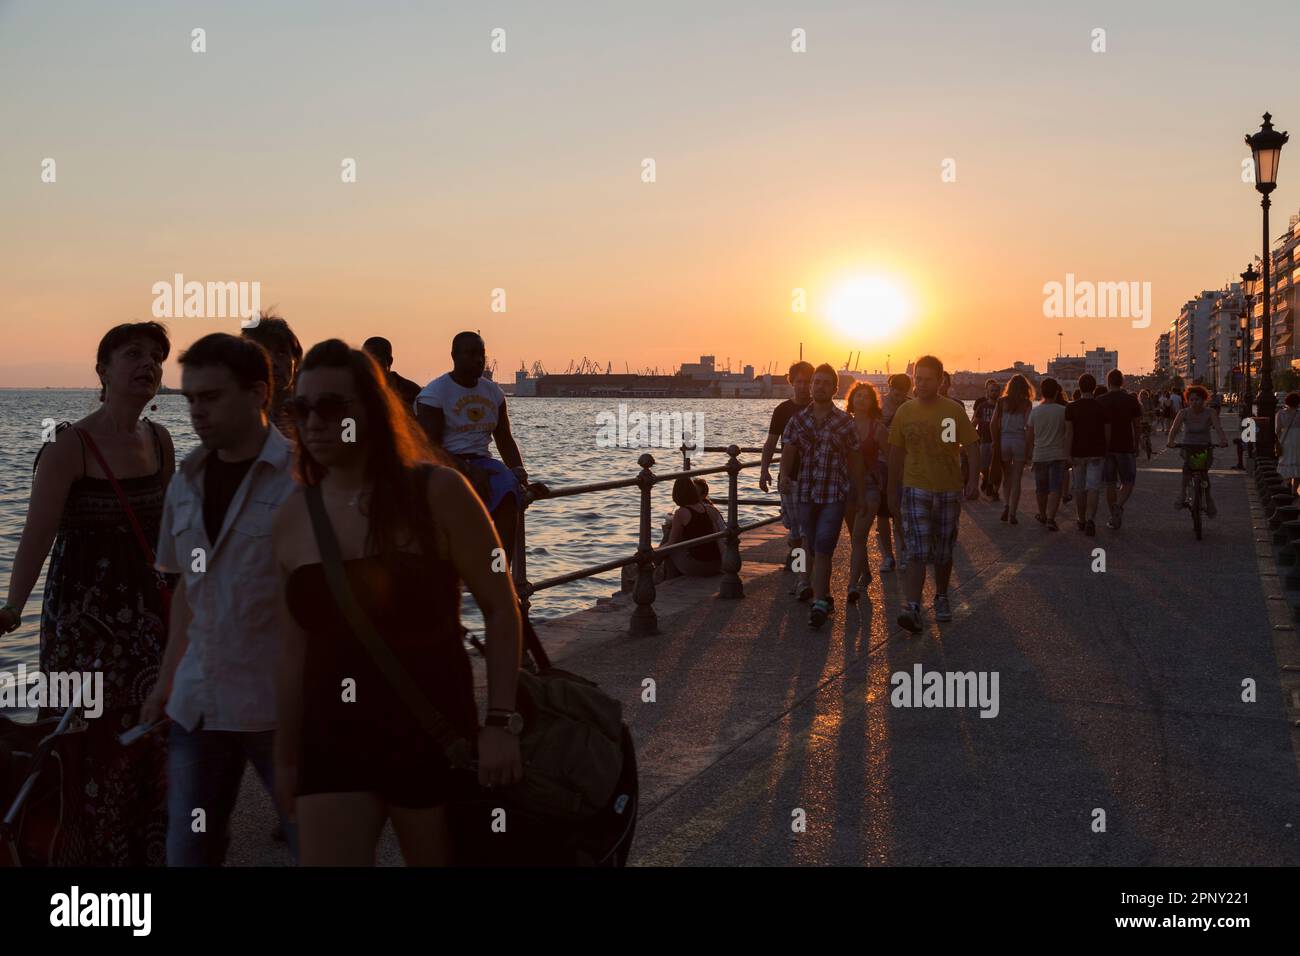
690, 520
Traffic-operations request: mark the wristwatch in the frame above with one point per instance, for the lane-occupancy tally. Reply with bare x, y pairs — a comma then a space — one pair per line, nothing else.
510, 721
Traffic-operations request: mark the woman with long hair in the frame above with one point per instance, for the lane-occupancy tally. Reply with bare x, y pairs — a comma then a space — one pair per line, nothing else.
95, 510
1009, 420
692, 519
350, 754
863, 403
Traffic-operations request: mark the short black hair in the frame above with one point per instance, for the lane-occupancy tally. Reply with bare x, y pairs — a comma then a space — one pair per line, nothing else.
901, 382
930, 361
828, 369
1087, 383
246, 358
379, 347
272, 332
464, 337
1050, 388
798, 367
1115, 378
119, 335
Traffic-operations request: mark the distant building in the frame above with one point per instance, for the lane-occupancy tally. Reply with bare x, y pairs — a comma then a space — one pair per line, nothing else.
724, 384
1224, 322
1099, 361
1161, 357
1283, 277
1189, 342
1066, 369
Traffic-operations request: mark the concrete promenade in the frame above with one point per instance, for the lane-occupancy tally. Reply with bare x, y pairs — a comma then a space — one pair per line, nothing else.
1119, 691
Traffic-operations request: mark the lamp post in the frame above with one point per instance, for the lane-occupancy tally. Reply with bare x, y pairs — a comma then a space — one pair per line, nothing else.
1249, 283
1214, 368
1266, 148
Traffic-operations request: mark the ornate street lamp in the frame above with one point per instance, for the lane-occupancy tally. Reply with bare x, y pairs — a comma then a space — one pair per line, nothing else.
1266, 148
1249, 285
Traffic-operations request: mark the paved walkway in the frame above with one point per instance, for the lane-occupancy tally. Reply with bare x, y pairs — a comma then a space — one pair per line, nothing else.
1118, 691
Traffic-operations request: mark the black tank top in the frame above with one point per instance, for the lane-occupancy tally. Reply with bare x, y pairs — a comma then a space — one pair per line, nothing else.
698, 525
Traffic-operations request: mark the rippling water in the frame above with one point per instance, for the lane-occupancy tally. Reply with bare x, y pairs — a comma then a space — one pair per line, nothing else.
558, 438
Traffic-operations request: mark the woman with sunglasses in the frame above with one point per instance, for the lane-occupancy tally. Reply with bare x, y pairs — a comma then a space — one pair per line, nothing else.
350, 754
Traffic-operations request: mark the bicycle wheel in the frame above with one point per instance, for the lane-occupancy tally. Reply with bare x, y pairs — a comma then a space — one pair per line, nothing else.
1196, 506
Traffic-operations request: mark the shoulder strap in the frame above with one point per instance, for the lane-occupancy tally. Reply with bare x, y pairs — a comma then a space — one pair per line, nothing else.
435, 725
145, 546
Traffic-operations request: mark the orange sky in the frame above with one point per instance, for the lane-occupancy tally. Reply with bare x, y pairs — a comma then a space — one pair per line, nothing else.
522, 171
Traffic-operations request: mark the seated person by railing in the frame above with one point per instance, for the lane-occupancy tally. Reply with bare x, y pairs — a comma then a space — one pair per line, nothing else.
692, 519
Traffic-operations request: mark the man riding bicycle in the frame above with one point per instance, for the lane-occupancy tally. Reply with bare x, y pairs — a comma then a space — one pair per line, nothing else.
1199, 420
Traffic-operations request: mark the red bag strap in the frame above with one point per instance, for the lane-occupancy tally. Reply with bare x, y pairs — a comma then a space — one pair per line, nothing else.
121, 495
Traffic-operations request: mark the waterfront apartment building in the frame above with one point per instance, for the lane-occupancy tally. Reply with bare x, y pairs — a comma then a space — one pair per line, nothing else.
1189, 338
1225, 317
1161, 357
1282, 282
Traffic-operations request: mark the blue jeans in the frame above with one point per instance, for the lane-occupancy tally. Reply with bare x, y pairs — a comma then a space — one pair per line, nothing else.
820, 524
204, 768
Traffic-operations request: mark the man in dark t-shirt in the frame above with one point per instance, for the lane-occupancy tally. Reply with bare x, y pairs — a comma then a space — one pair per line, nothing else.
1123, 415
381, 350
982, 416
800, 379
1085, 437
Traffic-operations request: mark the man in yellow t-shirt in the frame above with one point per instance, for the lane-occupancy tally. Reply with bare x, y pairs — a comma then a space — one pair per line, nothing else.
927, 438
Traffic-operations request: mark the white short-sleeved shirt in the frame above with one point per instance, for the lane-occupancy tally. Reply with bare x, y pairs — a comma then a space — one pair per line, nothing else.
470, 413
227, 676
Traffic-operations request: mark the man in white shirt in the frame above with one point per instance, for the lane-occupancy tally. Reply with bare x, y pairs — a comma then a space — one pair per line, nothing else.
461, 412
217, 679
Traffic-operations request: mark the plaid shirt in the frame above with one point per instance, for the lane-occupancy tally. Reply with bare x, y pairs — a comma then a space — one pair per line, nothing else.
824, 451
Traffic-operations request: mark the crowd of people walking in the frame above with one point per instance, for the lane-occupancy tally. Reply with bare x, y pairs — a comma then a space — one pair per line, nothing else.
910, 461
201, 591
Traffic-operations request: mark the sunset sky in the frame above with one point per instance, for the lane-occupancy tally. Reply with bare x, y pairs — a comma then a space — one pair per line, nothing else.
522, 170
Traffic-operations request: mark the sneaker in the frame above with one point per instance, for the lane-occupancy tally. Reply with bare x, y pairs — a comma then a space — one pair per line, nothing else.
805, 591
1110, 523
853, 595
817, 616
887, 565
942, 611
1051, 525
910, 619
1091, 529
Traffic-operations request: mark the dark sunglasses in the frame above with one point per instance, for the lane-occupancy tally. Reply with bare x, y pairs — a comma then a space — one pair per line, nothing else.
329, 406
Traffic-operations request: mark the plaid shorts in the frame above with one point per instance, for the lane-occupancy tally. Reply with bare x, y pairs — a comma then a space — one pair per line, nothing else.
929, 524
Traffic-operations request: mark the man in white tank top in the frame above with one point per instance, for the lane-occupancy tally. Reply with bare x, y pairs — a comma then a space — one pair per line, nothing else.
461, 412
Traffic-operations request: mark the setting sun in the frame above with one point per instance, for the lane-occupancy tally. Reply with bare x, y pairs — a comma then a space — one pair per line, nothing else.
867, 307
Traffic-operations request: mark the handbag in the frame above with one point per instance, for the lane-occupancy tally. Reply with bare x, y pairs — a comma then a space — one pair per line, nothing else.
164, 590
572, 745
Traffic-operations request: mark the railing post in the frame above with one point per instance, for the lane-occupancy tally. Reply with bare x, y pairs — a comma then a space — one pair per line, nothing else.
732, 586
644, 621
519, 561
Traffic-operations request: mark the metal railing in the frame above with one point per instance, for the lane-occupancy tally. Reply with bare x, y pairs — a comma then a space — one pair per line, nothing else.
644, 620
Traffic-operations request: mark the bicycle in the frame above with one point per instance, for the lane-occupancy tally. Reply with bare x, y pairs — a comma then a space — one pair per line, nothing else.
1197, 465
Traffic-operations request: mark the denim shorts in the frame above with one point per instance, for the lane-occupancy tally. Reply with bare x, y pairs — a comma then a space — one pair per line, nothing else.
821, 523
1049, 476
1122, 464
790, 517
1091, 471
